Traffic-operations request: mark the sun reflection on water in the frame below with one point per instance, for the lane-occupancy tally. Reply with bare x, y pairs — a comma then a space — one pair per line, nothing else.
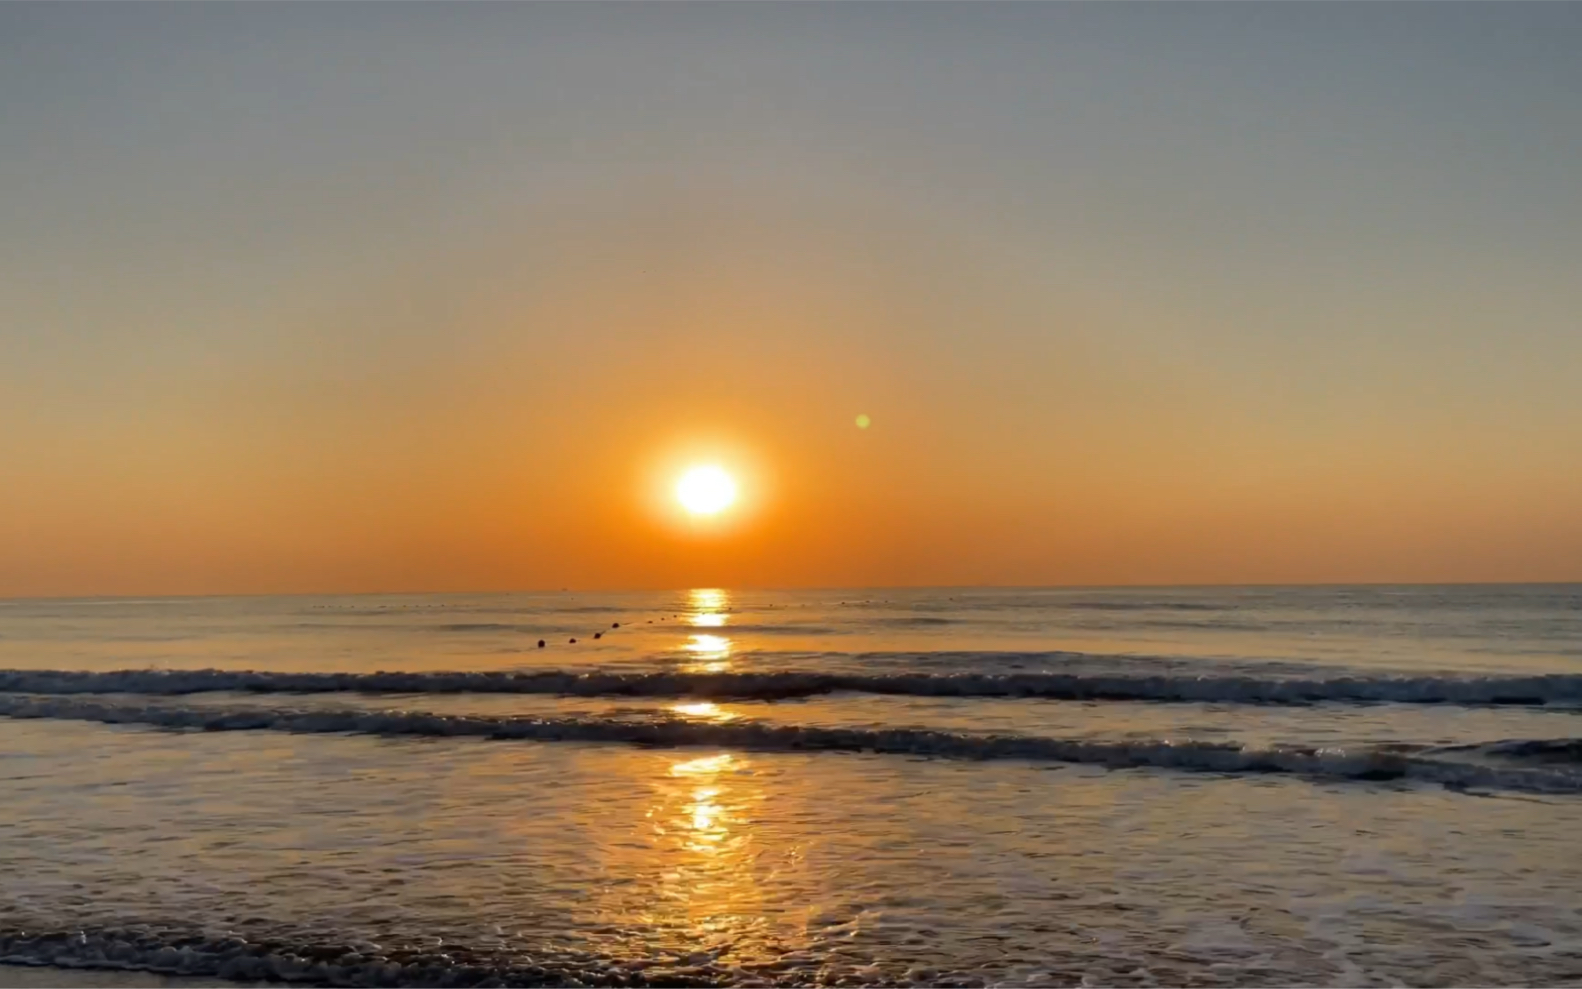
707, 607
709, 826
705, 766
710, 653
708, 891
709, 816
708, 644
703, 709
707, 599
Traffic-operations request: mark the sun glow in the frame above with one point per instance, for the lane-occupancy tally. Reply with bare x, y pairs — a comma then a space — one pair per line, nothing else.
706, 490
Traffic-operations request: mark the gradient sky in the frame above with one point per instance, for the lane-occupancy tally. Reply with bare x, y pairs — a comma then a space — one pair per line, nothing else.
365, 297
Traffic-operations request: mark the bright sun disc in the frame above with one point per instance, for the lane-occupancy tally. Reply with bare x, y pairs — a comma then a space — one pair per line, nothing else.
705, 490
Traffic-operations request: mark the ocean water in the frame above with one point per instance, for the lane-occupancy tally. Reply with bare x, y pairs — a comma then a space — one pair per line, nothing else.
1216, 786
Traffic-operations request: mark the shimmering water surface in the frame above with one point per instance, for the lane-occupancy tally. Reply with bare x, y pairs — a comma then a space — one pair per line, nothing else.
1366, 785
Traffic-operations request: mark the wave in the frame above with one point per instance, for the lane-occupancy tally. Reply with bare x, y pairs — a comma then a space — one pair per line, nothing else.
236, 958
1537, 750
1136, 605
1551, 689
1360, 763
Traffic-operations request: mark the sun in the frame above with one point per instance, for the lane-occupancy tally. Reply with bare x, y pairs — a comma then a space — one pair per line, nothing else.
706, 490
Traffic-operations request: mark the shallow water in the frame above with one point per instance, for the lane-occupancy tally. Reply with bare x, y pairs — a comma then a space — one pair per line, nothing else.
1386, 824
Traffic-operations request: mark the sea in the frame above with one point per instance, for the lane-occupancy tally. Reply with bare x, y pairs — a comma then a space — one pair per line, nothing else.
1228, 786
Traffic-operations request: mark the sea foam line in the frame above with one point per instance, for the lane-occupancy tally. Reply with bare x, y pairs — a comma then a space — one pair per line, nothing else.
1553, 689
1214, 757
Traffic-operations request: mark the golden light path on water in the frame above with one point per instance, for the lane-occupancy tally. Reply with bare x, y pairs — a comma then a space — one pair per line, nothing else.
708, 652
703, 812
708, 602
709, 888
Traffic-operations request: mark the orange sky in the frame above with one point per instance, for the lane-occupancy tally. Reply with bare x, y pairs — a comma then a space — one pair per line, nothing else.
448, 324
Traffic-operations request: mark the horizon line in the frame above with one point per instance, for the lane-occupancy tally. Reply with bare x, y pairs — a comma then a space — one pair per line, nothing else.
797, 589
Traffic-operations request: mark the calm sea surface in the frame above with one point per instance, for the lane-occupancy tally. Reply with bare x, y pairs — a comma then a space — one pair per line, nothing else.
1254, 786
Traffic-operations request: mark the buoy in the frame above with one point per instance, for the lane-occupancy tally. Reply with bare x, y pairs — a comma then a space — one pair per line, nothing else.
598, 635
615, 624
540, 643
573, 641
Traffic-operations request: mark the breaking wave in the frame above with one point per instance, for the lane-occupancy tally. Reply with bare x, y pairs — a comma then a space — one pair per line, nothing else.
1552, 689
1362, 763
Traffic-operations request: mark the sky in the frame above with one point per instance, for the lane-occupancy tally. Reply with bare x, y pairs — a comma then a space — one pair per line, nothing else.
358, 297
